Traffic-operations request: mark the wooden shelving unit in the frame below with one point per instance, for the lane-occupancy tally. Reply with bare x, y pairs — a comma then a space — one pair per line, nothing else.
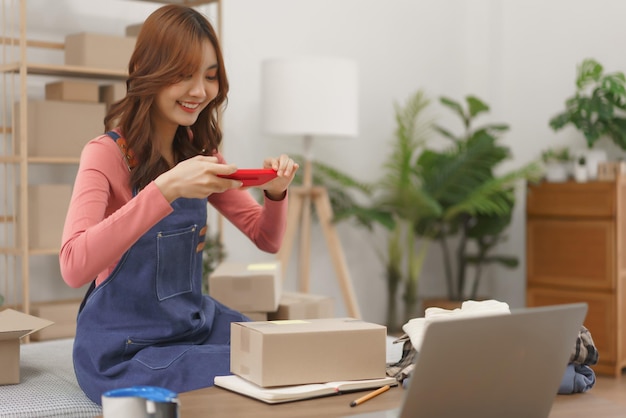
15, 248
576, 238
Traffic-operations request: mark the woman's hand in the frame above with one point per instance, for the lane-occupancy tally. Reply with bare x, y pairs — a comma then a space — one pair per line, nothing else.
285, 169
197, 178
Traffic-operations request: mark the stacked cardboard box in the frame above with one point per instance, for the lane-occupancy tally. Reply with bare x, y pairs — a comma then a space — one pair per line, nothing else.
62, 312
101, 51
256, 291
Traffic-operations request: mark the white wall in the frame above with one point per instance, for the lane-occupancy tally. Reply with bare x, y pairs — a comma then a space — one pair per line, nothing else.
520, 57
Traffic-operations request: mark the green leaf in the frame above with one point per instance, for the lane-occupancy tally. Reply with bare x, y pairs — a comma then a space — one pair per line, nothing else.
476, 106
454, 106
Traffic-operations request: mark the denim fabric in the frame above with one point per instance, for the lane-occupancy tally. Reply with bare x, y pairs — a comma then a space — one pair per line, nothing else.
148, 323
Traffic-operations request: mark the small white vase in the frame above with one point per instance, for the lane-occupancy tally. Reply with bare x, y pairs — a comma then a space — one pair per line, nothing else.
593, 158
581, 173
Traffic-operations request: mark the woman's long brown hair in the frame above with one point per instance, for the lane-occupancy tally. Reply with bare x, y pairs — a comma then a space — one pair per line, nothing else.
168, 46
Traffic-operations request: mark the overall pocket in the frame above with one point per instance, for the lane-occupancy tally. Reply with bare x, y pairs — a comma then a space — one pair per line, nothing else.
175, 267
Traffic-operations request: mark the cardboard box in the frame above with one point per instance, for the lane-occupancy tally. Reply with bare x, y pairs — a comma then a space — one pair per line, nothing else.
303, 306
95, 50
256, 316
111, 93
73, 91
47, 208
247, 287
276, 353
62, 313
13, 326
60, 129
133, 30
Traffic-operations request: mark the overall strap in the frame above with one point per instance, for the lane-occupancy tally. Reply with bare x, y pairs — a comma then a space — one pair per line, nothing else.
128, 154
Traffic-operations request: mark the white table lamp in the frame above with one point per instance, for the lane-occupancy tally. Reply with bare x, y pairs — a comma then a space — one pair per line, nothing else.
307, 97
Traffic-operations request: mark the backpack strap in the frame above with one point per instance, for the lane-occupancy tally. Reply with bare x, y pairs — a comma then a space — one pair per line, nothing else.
128, 154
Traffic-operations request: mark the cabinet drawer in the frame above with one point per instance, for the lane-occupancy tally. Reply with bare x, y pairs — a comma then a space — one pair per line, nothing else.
601, 320
578, 254
571, 199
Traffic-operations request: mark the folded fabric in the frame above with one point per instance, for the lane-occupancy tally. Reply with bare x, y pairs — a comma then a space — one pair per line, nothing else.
578, 378
416, 327
584, 351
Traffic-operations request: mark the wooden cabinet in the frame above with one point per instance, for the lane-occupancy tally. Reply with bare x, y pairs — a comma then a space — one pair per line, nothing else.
575, 241
17, 159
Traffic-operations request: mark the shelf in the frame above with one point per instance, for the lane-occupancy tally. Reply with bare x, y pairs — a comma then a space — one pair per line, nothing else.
40, 160
32, 251
65, 71
183, 2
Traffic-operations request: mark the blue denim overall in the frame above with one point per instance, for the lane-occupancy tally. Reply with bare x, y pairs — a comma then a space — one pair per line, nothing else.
148, 323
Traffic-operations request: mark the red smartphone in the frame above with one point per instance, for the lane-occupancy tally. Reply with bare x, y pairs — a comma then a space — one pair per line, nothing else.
251, 176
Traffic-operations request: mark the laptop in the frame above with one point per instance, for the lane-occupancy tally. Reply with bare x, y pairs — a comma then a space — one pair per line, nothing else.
509, 365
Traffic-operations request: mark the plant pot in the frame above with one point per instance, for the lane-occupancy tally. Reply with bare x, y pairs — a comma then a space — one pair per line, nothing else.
556, 172
593, 157
581, 173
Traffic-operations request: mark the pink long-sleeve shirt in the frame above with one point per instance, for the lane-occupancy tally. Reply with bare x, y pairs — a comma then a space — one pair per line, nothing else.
104, 220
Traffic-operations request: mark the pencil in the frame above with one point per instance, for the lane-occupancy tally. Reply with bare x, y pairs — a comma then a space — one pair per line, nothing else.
370, 395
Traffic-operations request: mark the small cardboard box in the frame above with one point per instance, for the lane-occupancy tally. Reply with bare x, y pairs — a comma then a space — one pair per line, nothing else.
276, 353
47, 208
13, 326
256, 316
111, 93
247, 287
62, 313
102, 51
73, 91
295, 305
133, 30
60, 129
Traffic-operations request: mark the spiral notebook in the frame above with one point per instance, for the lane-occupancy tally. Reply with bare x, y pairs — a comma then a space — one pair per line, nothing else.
293, 393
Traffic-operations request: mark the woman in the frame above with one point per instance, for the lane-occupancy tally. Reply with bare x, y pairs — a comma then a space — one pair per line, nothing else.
137, 218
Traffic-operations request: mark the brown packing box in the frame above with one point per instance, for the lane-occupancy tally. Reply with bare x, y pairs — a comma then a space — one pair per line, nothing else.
247, 287
60, 129
111, 93
303, 306
73, 91
294, 352
47, 209
62, 313
13, 326
133, 30
256, 316
96, 50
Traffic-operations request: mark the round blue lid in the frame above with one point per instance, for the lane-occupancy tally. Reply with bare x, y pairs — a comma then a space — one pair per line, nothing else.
151, 393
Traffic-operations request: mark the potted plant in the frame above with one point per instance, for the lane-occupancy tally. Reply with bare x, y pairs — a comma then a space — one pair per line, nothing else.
596, 109
556, 163
580, 169
474, 204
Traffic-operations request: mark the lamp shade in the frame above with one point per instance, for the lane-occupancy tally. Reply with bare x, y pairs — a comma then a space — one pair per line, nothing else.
308, 95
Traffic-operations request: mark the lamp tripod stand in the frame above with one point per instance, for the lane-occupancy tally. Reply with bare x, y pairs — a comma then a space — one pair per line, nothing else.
300, 201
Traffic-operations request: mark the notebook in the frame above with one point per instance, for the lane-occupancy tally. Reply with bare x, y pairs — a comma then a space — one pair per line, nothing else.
508, 365
283, 394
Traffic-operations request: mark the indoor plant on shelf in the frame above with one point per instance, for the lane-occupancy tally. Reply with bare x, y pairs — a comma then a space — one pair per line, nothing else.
597, 109
474, 203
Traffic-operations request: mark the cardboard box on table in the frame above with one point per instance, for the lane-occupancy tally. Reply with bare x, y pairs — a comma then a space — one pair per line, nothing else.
247, 287
73, 91
295, 305
60, 129
96, 50
15, 325
294, 352
62, 313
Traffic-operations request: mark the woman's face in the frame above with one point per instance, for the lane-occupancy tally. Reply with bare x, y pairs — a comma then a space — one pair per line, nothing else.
181, 103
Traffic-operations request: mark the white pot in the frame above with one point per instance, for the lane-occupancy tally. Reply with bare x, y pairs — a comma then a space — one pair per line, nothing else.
556, 172
593, 157
581, 173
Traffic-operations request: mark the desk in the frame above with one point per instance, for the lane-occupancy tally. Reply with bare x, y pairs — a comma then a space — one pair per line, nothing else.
219, 403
